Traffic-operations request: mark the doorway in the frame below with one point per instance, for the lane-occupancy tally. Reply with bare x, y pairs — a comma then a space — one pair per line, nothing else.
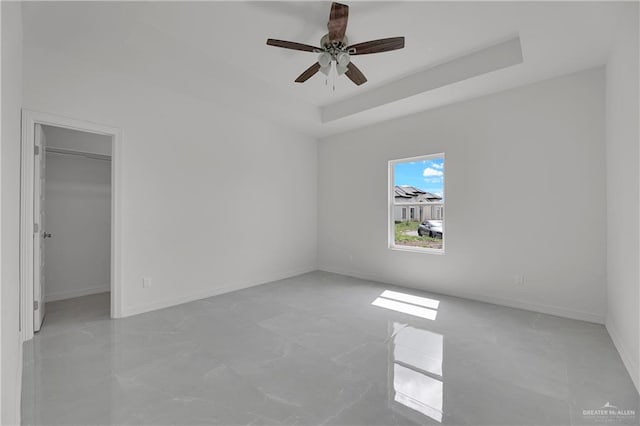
69, 226
76, 224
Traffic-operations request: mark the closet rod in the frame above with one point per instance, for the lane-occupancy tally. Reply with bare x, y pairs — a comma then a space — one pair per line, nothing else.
78, 153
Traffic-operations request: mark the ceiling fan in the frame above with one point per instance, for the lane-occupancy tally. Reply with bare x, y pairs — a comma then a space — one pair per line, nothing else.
335, 48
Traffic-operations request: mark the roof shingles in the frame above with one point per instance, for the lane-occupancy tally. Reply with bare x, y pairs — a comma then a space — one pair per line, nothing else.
411, 194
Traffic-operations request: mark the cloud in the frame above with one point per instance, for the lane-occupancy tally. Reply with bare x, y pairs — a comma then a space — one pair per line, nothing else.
431, 172
433, 180
438, 166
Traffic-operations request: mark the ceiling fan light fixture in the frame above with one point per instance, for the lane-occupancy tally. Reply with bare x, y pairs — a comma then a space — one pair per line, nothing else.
343, 59
341, 69
324, 59
326, 70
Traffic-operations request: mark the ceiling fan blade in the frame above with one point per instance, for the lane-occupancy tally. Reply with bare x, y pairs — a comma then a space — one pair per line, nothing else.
355, 74
338, 21
292, 45
377, 46
308, 73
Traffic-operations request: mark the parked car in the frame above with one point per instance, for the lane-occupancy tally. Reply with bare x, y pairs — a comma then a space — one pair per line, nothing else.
432, 228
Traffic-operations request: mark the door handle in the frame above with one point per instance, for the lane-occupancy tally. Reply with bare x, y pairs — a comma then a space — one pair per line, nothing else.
46, 235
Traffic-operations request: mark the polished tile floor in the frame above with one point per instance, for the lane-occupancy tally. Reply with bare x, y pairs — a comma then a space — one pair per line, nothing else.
322, 349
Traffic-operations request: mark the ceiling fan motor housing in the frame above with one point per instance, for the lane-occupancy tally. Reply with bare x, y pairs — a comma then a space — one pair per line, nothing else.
326, 43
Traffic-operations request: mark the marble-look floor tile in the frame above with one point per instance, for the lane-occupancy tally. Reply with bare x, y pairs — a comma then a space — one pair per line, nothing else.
314, 350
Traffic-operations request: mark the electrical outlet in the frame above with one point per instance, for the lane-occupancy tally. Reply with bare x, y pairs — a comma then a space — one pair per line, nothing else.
146, 282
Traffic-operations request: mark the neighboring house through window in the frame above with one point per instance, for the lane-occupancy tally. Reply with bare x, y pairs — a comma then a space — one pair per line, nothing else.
417, 184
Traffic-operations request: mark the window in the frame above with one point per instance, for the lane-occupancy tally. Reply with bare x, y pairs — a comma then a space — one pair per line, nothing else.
417, 184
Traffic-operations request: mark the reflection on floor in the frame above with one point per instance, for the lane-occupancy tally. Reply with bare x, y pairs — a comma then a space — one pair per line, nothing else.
417, 369
316, 349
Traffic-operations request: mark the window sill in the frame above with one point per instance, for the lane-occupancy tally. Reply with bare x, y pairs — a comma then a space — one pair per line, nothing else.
417, 249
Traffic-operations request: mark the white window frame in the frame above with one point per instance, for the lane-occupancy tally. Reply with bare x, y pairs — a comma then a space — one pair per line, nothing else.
391, 204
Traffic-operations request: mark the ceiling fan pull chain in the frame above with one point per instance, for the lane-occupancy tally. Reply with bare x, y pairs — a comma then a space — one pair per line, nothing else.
335, 73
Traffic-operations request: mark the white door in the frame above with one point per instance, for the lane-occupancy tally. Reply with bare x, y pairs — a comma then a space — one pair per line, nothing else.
39, 234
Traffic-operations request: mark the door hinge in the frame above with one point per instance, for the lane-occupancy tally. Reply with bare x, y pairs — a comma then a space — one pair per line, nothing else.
35, 305
36, 150
36, 228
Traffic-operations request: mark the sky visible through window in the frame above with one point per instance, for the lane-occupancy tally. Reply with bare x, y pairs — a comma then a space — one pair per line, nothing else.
424, 174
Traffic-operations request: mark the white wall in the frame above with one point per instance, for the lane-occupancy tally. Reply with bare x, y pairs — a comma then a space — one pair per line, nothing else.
206, 190
524, 195
11, 349
623, 214
78, 215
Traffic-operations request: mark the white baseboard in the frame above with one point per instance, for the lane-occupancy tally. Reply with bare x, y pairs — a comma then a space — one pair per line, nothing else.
627, 359
558, 311
70, 294
140, 309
